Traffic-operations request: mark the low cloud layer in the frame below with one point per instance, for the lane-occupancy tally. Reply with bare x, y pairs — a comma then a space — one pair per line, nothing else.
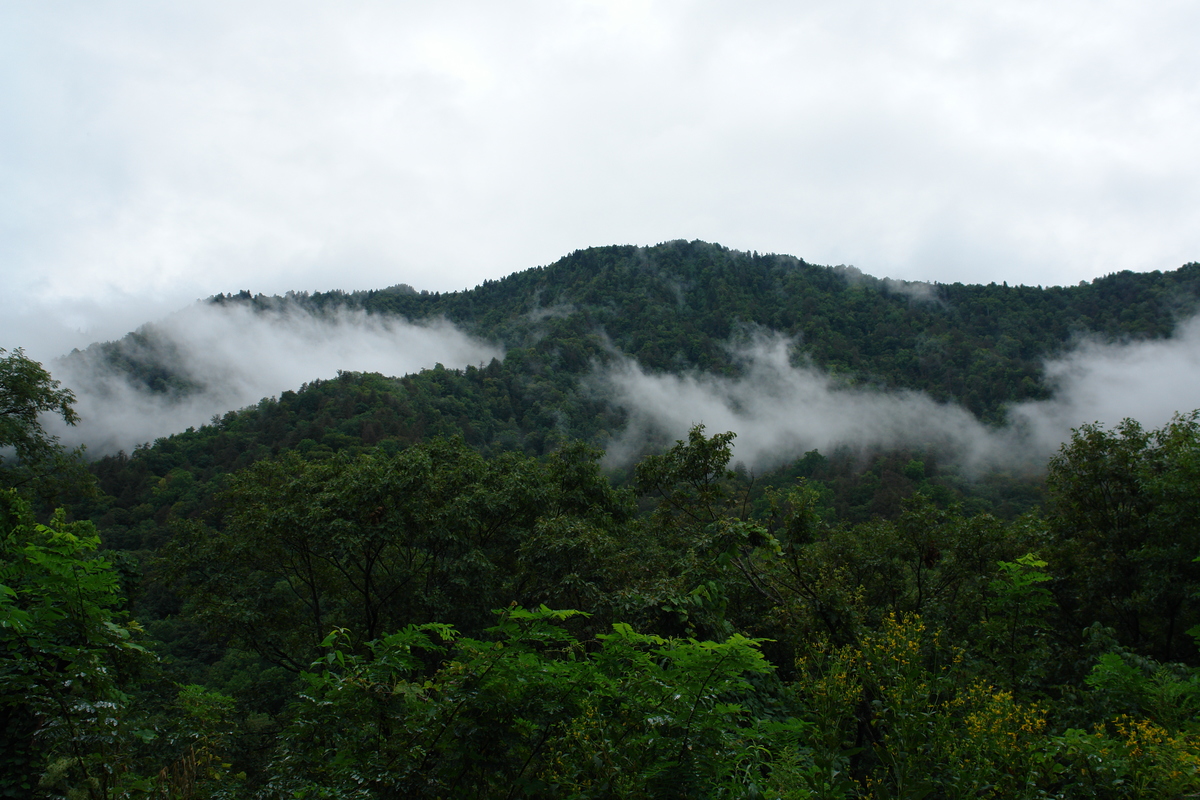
237, 356
1149, 381
780, 411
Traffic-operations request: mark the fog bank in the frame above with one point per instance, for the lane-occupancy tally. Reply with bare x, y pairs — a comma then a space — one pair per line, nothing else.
781, 410
236, 356
1149, 381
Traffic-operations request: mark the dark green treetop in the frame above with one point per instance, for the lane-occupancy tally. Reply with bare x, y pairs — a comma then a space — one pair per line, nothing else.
29, 455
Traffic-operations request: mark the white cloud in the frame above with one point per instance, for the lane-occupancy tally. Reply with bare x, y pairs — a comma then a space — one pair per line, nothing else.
237, 357
1149, 381
781, 411
163, 152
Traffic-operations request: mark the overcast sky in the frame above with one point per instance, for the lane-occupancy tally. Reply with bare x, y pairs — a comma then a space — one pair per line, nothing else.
152, 153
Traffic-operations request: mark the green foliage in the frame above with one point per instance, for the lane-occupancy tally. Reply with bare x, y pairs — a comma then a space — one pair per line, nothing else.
1017, 621
1126, 683
1126, 520
67, 658
917, 656
828, 583
532, 712
26, 393
850, 625
673, 306
189, 740
691, 479
900, 715
1143, 718
374, 541
1125, 758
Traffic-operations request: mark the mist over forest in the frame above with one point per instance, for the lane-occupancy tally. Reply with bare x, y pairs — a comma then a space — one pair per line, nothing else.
671, 521
210, 359
289, 511
215, 357
781, 410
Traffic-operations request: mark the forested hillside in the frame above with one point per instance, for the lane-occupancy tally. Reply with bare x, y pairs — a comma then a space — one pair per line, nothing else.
432, 585
678, 304
673, 307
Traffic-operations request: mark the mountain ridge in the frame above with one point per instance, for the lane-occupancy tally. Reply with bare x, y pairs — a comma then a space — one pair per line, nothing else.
677, 305
669, 310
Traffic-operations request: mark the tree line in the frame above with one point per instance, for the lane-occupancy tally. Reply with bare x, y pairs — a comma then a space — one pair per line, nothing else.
433, 618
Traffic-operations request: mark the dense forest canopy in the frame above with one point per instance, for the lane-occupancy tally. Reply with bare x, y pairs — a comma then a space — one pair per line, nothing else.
435, 585
676, 306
